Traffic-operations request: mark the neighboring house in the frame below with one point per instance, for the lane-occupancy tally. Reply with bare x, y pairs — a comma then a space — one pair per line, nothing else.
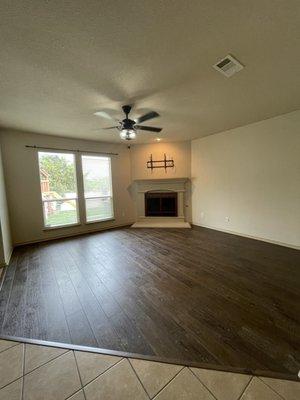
45, 186
48, 194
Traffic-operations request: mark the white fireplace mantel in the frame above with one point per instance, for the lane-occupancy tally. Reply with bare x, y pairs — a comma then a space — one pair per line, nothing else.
142, 186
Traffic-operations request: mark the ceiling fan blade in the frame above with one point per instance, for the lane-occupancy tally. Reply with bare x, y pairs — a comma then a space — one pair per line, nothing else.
148, 128
105, 114
111, 127
149, 115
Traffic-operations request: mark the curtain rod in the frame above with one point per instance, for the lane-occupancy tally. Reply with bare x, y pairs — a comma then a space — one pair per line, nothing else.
74, 151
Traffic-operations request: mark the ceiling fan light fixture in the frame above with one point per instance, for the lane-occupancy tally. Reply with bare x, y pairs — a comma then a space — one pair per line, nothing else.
128, 127
127, 134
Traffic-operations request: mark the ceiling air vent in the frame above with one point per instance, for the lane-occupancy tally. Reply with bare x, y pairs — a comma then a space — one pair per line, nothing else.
228, 66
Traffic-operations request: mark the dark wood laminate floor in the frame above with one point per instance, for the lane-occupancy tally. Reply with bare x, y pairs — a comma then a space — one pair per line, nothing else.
193, 295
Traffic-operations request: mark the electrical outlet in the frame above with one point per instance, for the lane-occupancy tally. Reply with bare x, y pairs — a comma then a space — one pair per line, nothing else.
202, 214
123, 213
227, 219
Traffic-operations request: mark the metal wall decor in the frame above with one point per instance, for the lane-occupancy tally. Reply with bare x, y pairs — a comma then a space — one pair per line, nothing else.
165, 163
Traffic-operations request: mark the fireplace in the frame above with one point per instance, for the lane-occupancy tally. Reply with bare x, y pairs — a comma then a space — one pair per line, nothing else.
161, 204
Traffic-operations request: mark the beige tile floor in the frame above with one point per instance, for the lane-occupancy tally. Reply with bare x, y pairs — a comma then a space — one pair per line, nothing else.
35, 372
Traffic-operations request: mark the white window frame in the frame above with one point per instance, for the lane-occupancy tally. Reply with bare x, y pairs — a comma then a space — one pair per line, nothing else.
47, 227
112, 217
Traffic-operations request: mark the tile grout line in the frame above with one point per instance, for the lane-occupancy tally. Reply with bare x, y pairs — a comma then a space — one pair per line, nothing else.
67, 351
7, 384
82, 387
14, 345
14, 380
74, 355
46, 362
270, 387
138, 356
245, 388
134, 371
203, 384
167, 384
73, 394
104, 372
25, 374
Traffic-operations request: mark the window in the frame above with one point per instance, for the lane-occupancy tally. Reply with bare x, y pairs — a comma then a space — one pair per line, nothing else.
59, 188
97, 188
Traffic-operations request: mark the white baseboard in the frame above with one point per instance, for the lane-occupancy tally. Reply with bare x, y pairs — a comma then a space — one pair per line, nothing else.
72, 234
248, 236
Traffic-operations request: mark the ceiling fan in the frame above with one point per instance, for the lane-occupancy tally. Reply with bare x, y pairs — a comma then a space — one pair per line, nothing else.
128, 127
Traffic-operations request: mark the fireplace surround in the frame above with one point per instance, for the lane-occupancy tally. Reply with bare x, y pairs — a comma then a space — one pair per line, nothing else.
161, 202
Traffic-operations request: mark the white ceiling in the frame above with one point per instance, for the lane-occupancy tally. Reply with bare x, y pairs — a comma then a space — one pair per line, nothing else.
63, 60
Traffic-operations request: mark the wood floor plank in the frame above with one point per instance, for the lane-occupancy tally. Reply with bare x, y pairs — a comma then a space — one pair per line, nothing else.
54, 318
193, 295
101, 326
79, 327
6, 289
34, 322
13, 322
128, 334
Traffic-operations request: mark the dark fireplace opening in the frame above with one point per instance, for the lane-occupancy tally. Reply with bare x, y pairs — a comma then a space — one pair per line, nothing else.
161, 204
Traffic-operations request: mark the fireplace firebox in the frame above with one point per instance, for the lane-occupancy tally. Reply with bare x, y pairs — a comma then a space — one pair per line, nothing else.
161, 204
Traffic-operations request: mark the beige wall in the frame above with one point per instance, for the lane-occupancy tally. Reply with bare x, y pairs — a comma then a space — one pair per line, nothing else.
180, 151
5, 242
251, 175
23, 188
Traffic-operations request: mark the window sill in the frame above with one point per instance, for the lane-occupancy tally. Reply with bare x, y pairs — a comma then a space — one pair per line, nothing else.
50, 228
99, 221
